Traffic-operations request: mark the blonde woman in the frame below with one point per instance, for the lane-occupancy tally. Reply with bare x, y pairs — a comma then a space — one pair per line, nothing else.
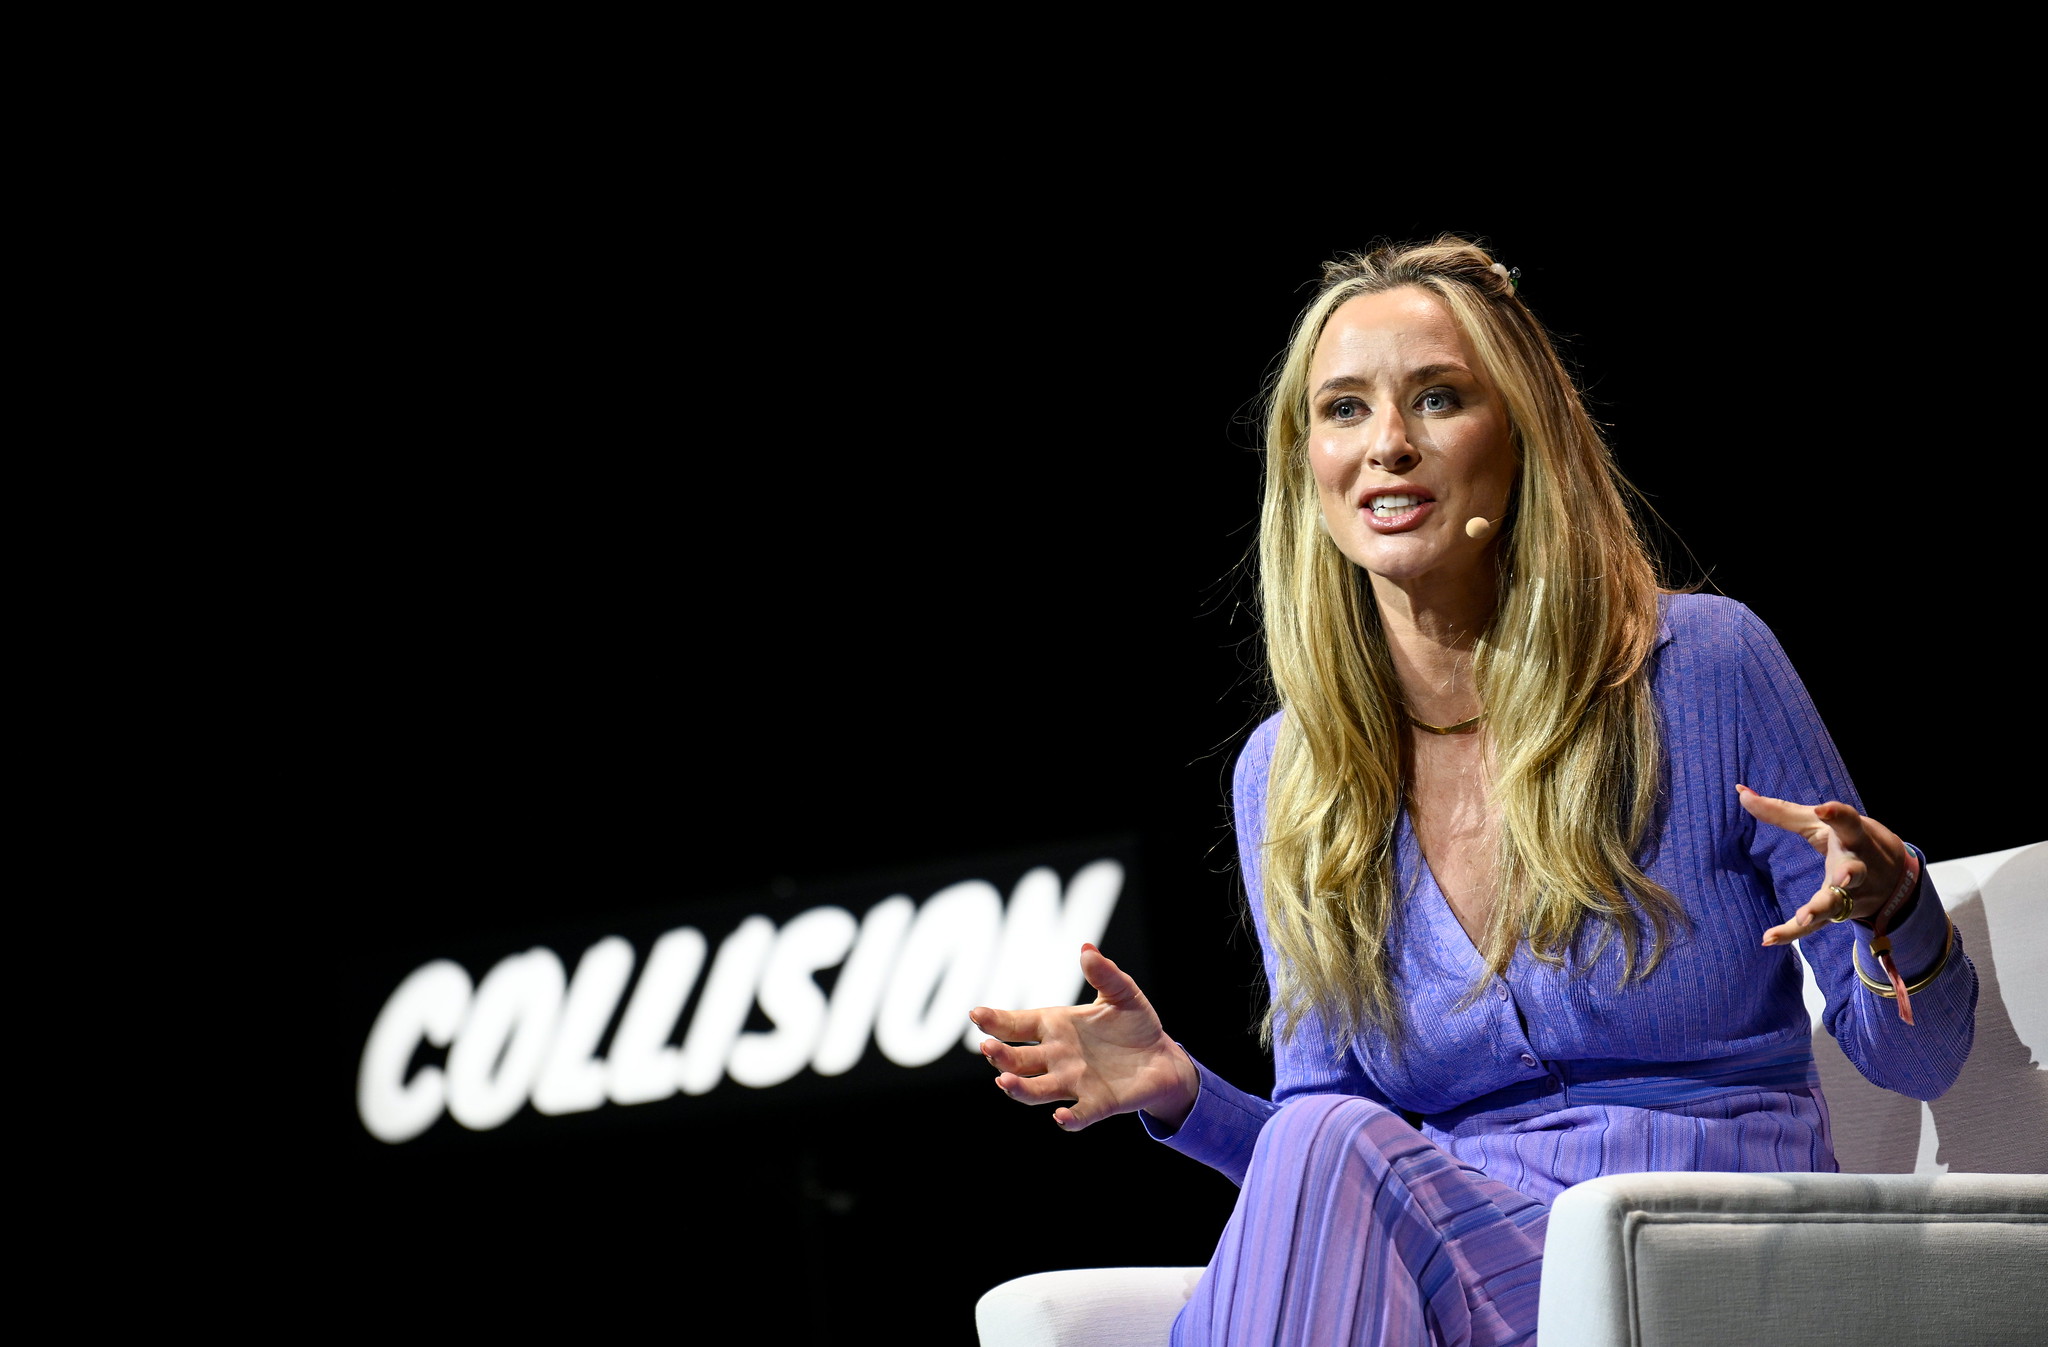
1525, 847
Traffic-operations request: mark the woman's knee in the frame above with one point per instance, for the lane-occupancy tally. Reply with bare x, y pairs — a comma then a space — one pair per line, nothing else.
1317, 1110
1321, 1129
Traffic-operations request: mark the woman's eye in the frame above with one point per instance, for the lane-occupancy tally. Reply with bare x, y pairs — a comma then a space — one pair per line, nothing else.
1346, 409
1438, 400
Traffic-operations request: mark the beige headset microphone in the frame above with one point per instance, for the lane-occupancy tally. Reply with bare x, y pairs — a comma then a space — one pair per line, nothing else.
1479, 528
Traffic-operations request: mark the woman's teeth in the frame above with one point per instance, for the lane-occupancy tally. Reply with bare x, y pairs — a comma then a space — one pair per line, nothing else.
1386, 507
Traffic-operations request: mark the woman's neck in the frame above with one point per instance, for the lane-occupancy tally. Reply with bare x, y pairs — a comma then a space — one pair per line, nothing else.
1431, 629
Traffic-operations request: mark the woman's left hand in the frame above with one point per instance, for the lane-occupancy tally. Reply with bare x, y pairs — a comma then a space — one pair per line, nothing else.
1864, 858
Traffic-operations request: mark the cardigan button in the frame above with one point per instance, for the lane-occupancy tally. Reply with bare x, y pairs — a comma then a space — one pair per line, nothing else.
1503, 989
1527, 1060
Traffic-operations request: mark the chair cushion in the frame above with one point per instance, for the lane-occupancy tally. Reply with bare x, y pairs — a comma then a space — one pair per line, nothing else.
1674, 1260
1086, 1307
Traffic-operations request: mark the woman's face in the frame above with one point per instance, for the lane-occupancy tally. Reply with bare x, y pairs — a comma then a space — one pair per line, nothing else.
1407, 439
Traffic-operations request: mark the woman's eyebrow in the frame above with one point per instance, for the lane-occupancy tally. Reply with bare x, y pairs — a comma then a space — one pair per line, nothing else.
1350, 382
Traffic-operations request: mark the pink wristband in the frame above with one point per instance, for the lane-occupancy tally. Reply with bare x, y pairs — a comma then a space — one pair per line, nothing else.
1881, 945
1909, 879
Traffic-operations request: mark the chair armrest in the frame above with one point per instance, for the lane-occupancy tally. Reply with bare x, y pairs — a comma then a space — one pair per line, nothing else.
1086, 1307
1676, 1259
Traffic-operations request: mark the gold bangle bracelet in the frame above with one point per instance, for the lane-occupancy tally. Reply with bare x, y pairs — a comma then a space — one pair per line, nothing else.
1885, 989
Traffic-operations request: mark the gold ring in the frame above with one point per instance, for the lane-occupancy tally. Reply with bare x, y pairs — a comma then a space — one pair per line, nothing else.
1845, 906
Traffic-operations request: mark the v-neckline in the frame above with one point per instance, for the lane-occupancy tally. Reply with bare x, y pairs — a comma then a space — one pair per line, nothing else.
1440, 910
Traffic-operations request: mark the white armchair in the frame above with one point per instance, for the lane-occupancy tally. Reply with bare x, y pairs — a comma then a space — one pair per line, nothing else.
1904, 1249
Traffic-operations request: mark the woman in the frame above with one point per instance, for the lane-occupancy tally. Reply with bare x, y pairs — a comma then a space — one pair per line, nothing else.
1502, 851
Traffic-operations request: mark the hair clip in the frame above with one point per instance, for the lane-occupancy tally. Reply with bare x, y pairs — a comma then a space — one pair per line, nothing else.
1512, 275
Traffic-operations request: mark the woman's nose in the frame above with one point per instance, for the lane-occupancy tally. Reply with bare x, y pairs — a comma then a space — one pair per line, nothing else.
1389, 449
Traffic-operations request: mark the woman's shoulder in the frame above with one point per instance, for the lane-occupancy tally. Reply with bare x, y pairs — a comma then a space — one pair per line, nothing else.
1255, 759
1715, 651
1707, 625
1703, 617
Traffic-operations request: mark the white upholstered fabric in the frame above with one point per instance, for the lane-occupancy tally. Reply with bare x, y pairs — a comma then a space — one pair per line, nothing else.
1088, 1307
1709, 1260
1994, 1119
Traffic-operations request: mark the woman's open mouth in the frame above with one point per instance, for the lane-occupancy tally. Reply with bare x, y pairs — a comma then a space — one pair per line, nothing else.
1397, 511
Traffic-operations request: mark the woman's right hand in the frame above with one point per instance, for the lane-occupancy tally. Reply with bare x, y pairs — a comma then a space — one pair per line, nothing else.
1109, 1056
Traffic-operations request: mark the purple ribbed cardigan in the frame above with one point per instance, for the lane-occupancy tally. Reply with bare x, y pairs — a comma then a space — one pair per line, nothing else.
1555, 1075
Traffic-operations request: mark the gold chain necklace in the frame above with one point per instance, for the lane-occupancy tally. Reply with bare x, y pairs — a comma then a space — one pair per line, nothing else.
1458, 728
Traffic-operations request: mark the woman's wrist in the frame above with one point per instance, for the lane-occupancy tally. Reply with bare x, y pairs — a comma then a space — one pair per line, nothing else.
1898, 905
1176, 1100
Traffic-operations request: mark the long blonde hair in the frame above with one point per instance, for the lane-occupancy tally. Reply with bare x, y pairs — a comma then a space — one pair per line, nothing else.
1560, 671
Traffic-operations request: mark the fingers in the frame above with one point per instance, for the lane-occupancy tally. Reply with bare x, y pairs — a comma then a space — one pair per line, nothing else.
1856, 849
1811, 916
1771, 809
1828, 828
1111, 983
1021, 1061
1033, 1089
1820, 910
1845, 823
1016, 1048
1021, 1071
1778, 813
1071, 1120
1012, 1026
1029, 1083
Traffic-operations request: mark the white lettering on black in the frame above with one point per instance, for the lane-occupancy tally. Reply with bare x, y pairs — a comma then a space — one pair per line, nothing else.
788, 996
722, 1010
429, 1005
910, 973
572, 1079
642, 1067
944, 964
498, 1052
857, 996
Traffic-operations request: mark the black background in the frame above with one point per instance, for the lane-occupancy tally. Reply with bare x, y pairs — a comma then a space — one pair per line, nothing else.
725, 537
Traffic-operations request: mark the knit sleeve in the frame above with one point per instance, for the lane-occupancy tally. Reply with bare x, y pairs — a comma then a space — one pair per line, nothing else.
1786, 752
